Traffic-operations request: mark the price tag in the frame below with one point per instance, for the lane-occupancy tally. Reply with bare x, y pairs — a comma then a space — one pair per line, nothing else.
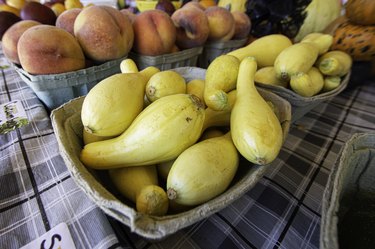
57, 238
12, 116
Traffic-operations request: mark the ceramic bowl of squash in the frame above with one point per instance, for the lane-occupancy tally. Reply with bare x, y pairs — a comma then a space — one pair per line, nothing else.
68, 128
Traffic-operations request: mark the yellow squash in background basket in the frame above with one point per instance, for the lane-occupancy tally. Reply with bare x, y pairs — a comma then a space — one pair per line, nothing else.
321, 40
307, 84
264, 49
298, 58
335, 63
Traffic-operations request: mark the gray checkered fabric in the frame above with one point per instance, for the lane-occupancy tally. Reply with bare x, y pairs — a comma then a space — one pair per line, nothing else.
281, 211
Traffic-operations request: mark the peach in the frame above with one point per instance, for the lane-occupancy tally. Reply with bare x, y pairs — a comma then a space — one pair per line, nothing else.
66, 19
192, 27
221, 23
129, 14
11, 37
242, 25
104, 33
38, 12
7, 19
154, 33
41, 50
194, 4
166, 6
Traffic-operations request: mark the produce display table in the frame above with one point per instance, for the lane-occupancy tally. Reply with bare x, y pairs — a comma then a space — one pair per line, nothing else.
283, 210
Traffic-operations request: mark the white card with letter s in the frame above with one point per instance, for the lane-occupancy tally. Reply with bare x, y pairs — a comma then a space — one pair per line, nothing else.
57, 238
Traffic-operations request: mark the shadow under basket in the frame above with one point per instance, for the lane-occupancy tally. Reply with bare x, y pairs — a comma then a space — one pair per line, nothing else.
348, 208
56, 89
66, 121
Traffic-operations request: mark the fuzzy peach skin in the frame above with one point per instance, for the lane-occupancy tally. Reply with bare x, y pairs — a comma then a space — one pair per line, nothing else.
154, 33
66, 19
11, 37
192, 27
104, 33
41, 51
194, 4
221, 23
242, 25
128, 14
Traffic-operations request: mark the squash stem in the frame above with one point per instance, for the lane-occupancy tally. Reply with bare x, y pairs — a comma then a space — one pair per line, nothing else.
329, 66
172, 194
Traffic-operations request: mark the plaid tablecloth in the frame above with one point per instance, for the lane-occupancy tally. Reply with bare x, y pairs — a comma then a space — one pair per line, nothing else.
282, 211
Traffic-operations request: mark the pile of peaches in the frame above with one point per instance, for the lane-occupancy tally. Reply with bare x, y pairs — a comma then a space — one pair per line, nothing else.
80, 37
190, 26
